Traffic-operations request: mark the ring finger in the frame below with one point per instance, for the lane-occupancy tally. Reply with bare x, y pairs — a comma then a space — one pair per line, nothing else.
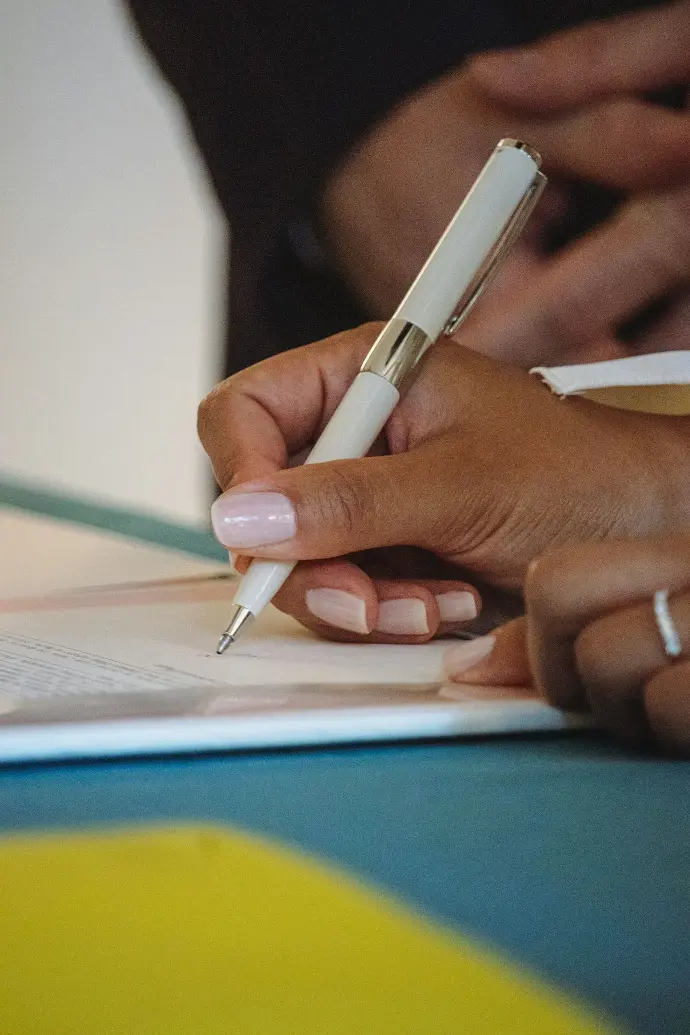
617, 654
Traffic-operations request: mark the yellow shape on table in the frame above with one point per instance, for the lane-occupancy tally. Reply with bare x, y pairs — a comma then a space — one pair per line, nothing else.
202, 931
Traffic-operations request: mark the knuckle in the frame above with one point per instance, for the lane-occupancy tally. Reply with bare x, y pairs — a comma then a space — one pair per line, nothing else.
340, 502
208, 410
219, 400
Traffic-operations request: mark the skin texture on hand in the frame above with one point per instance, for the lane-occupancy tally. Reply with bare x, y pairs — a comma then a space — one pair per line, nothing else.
481, 468
589, 639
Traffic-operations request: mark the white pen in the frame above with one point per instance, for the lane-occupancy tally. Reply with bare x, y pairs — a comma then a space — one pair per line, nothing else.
455, 274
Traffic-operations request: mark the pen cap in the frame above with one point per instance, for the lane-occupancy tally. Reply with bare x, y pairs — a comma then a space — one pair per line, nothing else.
470, 239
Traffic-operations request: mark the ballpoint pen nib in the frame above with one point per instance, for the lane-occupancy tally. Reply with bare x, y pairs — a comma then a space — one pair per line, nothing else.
242, 618
223, 643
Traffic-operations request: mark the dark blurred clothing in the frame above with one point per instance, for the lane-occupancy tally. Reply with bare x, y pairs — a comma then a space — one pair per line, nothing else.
277, 92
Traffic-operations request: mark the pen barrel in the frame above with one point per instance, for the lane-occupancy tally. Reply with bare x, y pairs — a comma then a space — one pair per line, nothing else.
489, 216
261, 583
470, 239
351, 432
358, 420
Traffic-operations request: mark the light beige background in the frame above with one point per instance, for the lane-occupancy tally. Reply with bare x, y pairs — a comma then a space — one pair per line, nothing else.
111, 264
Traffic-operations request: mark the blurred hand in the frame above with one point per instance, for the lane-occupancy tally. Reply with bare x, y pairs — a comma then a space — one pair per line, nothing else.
599, 75
387, 204
485, 470
589, 639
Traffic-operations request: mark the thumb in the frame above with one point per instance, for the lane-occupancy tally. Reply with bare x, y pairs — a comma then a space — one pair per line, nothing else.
330, 509
496, 660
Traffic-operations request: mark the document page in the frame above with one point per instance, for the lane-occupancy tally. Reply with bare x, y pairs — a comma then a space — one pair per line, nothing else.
93, 681
30, 668
167, 647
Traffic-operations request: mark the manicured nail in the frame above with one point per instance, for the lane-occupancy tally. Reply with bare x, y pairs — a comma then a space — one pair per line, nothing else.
460, 660
405, 617
339, 609
242, 519
459, 606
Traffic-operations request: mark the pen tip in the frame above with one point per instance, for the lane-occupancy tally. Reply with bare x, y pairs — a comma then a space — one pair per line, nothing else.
223, 643
241, 618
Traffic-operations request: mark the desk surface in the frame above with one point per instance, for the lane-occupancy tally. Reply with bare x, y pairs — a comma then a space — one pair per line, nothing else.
565, 854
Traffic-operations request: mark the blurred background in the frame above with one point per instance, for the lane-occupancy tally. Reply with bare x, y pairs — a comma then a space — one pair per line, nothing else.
112, 265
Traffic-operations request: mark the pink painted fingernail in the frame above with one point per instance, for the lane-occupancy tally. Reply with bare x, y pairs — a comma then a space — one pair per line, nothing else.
404, 617
457, 606
339, 609
242, 519
460, 660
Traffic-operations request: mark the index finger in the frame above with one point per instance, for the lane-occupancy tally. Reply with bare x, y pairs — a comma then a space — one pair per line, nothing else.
253, 422
629, 53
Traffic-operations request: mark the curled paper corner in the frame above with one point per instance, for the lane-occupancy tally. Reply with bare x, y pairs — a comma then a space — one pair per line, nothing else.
657, 383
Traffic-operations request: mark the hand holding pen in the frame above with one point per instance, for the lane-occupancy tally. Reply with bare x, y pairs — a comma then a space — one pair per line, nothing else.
455, 274
485, 468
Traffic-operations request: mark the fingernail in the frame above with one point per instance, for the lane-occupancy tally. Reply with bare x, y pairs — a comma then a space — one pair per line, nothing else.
339, 609
405, 617
242, 519
461, 660
459, 606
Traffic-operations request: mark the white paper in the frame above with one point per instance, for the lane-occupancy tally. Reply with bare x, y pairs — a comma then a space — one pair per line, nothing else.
129, 680
31, 668
659, 368
179, 641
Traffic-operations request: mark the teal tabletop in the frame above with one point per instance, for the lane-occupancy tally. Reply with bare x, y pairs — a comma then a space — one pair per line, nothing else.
565, 854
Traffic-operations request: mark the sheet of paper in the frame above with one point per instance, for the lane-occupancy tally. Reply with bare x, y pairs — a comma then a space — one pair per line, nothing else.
132, 648
96, 682
141, 675
162, 638
658, 368
31, 668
